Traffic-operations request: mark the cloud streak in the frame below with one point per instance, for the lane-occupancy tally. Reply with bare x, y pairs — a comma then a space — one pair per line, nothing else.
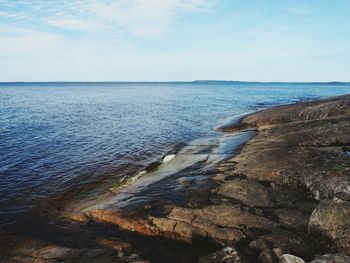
145, 18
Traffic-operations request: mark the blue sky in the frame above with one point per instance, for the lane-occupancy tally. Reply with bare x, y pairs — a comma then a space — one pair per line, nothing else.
163, 40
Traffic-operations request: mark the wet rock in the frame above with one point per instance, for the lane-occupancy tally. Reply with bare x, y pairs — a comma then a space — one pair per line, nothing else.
267, 256
332, 258
248, 192
225, 255
287, 258
329, 226
258, 245
185, 182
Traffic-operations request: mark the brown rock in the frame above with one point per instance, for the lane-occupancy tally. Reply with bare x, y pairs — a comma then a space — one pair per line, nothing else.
116, 244
26, 250
258, 245
279, 252
291, 242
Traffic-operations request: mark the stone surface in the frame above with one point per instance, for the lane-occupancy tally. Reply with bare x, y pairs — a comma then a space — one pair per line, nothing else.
296, 243
279, 252
258, 245
292, 218
225, 255
287, 258
332, 258
248, 192
330, 225
26, 250
116, 244
267, 256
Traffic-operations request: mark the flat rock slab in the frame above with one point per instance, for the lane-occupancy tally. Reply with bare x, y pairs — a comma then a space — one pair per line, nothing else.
248, 192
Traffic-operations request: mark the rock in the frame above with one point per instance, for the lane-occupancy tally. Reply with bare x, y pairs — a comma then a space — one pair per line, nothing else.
332, 258
248, 192
116, 244
287, 258
292, 218
168, 158
278, 251
329, 226
267, 256
258, 245
225, 255
306, 206
321, 109
26, 250
342, 191
185, 182
291, 242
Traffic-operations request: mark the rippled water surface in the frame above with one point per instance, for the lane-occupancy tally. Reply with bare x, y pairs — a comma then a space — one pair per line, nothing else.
55, 137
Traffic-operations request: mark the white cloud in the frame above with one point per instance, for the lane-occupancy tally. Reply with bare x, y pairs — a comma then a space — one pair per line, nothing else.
14, 15
73, 24
147, 18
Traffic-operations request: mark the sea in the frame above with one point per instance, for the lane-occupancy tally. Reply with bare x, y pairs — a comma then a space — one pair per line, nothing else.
56, 137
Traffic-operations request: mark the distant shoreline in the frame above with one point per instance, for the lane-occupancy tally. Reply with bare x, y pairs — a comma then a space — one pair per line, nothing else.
202, 82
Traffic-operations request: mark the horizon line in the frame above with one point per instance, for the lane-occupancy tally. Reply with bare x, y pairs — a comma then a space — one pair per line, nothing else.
177, 81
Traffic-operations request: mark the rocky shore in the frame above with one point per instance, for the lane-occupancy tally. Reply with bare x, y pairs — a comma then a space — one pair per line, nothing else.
284, 198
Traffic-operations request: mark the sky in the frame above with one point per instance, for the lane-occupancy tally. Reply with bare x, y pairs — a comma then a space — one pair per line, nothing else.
174, 40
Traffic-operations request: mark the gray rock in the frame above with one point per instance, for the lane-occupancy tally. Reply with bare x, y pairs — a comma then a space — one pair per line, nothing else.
332, 258
287, 258
329, 226
248, 192
292, 218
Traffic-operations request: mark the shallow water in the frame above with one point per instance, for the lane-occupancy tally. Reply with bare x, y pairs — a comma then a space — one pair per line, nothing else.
56, 137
